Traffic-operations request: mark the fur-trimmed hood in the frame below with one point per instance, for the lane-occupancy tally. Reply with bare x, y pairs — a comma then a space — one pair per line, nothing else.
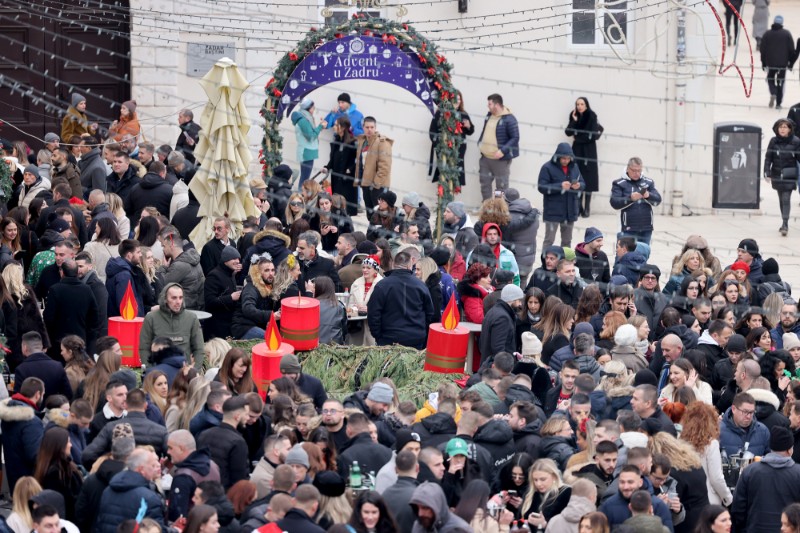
16, 411
272, 233
619, 392
57, 416
768, 397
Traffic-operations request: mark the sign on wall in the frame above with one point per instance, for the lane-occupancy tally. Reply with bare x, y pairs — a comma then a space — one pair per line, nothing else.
357, 58
200, 57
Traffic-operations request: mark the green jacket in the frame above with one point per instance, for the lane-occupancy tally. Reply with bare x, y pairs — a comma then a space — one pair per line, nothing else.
183, 328
307, 136
488, 394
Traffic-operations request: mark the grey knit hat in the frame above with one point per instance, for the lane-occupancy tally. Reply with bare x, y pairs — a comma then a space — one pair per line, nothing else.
77, 99
297, 456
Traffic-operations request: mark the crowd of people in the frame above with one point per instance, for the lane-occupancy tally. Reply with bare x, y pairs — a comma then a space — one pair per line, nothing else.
603, 395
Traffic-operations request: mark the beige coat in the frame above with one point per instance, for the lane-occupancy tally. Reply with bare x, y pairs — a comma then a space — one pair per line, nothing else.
357, 297
377, 162
262, 476
101, 253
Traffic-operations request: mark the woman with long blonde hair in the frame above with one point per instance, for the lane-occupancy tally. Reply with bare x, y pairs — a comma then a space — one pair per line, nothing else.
690, 261
117, 208
178, 396
20, 307
157, 387
94, 386
547, 494
195, 400
687, 469
215, 351
295, 209
701, 430
20, 519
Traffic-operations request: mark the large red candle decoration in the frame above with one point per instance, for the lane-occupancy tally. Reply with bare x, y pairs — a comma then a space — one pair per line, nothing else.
446, 352
267, 356
300, 322
126, 328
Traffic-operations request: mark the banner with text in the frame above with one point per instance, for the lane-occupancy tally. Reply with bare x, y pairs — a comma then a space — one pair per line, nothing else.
357, 58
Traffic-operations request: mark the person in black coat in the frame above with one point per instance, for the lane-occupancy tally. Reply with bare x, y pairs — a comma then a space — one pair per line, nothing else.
499, 324
88, 277
71, 310
271, 240
278, 192
342, 164
330, 222
585, 130
228, 448
561, 183
777, 54
186, 218
212, 250
467, 128
221, 293
38, 365
87, 505
780, 165
152, 191
299, 517
435, 429
61, 195
21, 315
189, 136
400, 308
22, 430
311, 264
370, 455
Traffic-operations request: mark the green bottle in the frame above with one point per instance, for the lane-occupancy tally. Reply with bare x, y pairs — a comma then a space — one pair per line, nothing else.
355, 476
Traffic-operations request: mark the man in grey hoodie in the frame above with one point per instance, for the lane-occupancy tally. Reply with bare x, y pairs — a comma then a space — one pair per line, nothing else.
432, 515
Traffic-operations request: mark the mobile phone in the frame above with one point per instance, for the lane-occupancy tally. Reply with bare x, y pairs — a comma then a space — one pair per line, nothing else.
511, 492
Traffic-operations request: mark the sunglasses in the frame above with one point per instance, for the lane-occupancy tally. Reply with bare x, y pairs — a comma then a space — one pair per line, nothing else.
295, 204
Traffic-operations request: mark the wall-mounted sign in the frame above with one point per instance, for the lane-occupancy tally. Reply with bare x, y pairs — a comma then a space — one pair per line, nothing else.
200, 57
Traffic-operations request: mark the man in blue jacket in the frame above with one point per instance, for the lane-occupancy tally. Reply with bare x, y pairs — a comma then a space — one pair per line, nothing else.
616, 508
560, 182
739, 427
635, 195
22, 430
499, 144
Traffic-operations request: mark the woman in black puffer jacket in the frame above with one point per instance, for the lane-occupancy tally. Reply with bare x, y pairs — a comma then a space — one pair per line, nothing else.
780, 165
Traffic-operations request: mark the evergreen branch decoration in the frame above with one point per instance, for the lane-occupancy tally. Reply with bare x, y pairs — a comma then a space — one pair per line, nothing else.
6, 182
405, 37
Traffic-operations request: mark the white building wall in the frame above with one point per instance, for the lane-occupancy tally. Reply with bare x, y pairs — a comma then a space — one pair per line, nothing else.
539, 80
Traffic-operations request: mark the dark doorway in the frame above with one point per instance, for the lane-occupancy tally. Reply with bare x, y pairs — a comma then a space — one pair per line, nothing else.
48, 48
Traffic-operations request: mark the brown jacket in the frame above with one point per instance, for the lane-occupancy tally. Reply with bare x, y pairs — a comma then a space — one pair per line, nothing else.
125, 127
74, 123
73, 176
377, 162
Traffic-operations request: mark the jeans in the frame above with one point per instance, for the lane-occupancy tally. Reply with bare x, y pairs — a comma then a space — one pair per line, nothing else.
493, 169
785, 198
254, 333
550, 229
640, 236
305, 172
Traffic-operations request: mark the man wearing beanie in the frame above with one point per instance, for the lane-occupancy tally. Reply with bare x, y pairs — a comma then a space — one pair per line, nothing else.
417, 211
346, 108
386, 218
459, 225
590, 260
766, 487
725, 369
32, 186
309, 385
373, 163
405, 441
772, 282
297, 458
649, 300
220, 292
748, 253
374, 404
498, 328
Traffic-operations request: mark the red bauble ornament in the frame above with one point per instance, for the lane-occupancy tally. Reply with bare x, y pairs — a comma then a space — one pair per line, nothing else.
292, 56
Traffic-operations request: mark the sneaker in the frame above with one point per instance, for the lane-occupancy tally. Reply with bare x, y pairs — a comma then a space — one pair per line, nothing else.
772, 101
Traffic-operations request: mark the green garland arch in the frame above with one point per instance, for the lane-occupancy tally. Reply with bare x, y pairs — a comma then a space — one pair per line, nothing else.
403, 36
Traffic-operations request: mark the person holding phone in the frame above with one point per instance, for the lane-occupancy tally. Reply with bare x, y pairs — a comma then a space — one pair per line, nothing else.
560, 183
585, 131
780, 166
547, 494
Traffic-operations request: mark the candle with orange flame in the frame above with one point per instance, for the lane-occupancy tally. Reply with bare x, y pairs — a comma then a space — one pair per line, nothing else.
127, 327
446, 352
267, 356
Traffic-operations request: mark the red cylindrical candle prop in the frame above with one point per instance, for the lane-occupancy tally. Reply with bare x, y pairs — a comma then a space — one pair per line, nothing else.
300, 322
446, 352
266, 363
127, 333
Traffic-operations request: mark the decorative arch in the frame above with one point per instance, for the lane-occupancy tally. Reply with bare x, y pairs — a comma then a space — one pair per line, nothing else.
398, 48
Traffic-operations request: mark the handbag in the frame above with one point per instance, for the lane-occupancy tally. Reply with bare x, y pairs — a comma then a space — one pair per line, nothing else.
789, 173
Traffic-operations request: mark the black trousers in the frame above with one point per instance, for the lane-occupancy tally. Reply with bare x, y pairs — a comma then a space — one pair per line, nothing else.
785, 197
775, 79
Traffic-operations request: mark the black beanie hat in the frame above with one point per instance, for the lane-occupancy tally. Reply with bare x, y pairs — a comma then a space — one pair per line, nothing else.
780, 439
645, 377
389, 197
770, 266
